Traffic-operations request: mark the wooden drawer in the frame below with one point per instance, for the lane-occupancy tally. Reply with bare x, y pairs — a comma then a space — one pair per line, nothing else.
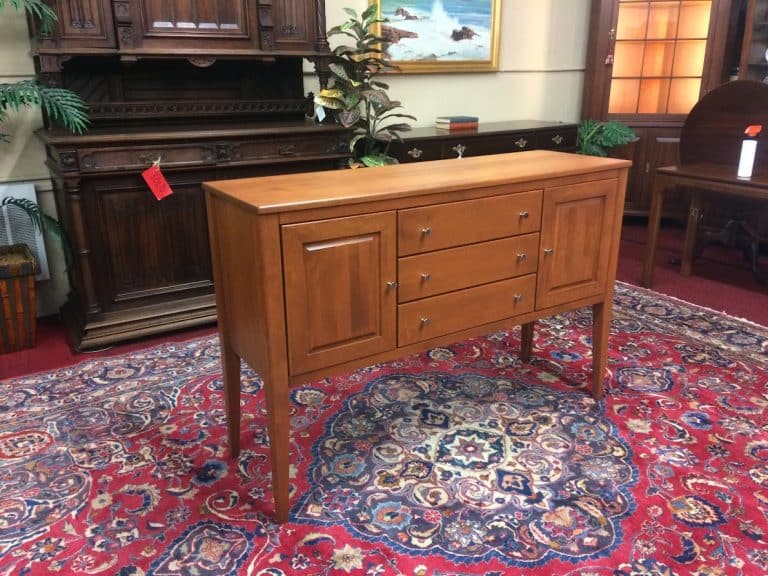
467, 222
439, 315
271, 149
564, 139
416, 151
475, 145
142, 157
457, 268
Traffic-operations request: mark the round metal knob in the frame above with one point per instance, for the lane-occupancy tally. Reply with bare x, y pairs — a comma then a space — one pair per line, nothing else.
392, 284
426, 231
518, 297
524, 214
549, 251
426, 277
522, 257
426, 322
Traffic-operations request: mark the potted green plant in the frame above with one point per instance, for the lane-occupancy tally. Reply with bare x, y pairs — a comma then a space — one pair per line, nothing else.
596, 138
357, 97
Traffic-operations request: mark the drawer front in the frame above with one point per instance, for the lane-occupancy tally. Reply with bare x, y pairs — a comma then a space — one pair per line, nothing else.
457, 268
439, 315
564, 139
416, 151
284, 148
482, 145
467, 222
142, 157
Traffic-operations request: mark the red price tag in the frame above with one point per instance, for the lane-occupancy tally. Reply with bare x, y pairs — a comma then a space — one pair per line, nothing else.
157, 182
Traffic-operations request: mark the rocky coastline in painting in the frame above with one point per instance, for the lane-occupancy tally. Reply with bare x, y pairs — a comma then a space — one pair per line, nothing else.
431, 31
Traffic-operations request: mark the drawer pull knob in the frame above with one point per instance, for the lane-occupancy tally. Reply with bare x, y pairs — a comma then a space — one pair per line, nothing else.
522, 143
459, 149
415, 153
426, 231
522, 257
426, 277
524, 214
518, 297
392, 284
557, 139
426, 322
549, 251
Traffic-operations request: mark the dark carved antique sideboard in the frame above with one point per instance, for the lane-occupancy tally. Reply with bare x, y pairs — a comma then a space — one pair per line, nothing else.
212, 89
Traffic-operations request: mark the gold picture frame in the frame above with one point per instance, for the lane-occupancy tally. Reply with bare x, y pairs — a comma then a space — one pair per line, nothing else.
479, 30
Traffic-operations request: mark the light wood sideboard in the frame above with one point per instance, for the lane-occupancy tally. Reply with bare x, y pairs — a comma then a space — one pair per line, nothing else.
324, 272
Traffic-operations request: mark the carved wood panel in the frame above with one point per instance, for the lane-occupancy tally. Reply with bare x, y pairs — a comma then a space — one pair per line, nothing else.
86, 23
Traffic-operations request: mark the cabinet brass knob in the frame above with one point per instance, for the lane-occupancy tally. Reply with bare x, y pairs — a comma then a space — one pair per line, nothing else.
415, 153
557, 139
524, 214
426, 277
549, 251
426, 231
392, 284
426, 322
518, 297
522, 143
459, 149
522, 257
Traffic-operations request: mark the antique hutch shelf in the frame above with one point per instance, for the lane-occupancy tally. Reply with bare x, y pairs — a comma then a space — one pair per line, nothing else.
213, 89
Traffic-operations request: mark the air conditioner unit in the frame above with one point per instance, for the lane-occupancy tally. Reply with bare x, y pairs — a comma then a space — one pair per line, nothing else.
16, 228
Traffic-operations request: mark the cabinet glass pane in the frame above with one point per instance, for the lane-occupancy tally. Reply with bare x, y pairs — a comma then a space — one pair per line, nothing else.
688, 57
653, 96
623, 99
669, 38
683, 94
658, 60
633, 20
628, 59
662, 20
694, 19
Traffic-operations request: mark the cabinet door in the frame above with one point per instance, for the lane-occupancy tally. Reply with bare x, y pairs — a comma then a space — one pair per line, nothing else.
80, 24
294, 25
754, 49
576, 237
183, 25
339, 289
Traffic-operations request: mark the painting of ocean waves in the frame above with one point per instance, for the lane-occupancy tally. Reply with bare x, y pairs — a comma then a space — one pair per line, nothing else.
439, 30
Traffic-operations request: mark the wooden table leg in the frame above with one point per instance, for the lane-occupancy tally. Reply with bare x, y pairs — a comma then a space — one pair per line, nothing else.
526, 341
654, 220
231, 371
601, 327
694, 212
278, 407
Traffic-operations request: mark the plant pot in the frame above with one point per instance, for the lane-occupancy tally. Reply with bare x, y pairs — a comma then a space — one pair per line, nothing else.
17, 298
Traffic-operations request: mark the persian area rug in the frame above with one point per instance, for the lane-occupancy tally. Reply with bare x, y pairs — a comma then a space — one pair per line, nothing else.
458, 461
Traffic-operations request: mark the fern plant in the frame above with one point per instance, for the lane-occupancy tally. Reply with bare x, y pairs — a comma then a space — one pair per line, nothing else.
357, 97
595, 138
62, 106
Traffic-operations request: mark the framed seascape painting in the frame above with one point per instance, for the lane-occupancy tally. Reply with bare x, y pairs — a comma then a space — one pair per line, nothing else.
441, 35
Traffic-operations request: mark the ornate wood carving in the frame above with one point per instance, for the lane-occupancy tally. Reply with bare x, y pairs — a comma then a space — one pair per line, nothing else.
202, 61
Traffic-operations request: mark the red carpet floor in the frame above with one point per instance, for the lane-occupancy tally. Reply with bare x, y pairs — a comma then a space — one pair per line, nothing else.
722, 281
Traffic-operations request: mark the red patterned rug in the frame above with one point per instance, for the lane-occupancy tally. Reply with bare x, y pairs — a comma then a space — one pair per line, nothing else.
459, 461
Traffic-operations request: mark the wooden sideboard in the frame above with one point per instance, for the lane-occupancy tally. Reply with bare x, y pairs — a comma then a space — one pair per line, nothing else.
326, 272
429, 143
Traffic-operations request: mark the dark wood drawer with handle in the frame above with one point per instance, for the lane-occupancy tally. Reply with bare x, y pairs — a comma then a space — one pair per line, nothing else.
564, 139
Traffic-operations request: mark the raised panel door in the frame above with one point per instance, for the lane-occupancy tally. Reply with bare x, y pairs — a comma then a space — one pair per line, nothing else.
81, 24
340, 289
294, 25
576, 233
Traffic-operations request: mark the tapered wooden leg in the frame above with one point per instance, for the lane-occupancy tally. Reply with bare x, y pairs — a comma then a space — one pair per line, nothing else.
601, 326
654, 220
526, 341
278, 408
231, 371
691, 227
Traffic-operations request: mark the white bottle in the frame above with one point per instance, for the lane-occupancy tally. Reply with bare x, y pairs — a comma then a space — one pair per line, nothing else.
747, 158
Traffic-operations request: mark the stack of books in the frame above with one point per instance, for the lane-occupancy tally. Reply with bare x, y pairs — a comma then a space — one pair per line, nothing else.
456, 122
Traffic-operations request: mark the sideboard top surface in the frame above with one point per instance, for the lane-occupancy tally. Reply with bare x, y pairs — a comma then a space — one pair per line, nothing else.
302, 191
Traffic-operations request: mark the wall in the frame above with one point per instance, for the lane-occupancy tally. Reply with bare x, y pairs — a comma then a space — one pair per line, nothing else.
541, 68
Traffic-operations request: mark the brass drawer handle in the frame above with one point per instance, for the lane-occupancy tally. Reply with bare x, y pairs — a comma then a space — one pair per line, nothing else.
415, 153
426, 277
426, 322
549, 251
522, 257
522, 143
557, 139
286, 150
459, 149
426, 231
524, 214
392, 284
